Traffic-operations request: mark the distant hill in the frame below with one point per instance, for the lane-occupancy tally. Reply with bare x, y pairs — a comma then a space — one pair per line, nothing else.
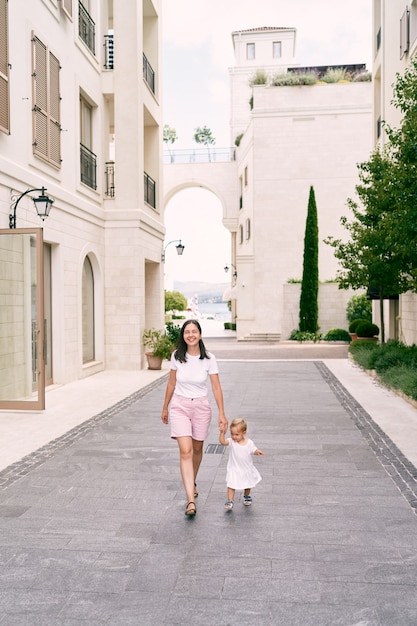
204, 291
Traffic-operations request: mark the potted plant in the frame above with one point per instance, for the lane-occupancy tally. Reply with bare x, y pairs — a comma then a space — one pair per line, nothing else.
158, 346
353, 327
368, 331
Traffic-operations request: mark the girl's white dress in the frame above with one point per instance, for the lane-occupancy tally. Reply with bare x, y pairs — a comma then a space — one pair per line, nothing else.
241, 472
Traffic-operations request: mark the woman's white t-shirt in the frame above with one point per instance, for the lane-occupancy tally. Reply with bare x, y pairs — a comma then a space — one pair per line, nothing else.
192, 376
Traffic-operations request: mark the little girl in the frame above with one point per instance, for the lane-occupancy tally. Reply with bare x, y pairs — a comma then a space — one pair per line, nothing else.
241, 472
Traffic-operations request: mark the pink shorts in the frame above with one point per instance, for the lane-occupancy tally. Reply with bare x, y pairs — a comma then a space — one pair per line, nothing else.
189, 417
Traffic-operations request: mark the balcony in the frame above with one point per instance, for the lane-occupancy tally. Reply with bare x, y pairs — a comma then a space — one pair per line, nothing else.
148, 74
86, 27
109, 173
88, 167
109, 52
150, 190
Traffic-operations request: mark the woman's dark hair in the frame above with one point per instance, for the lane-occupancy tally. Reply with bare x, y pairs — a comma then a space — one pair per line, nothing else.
181, 351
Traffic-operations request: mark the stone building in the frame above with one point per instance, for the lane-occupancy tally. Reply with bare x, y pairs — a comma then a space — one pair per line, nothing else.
80, 122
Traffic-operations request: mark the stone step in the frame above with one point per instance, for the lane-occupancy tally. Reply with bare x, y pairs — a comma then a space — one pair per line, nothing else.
261, 337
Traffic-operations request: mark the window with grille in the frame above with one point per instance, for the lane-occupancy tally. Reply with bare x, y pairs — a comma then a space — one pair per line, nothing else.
88, 160
46, 104
4, 69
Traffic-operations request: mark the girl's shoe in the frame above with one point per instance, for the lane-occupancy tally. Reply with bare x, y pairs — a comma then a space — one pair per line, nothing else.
247, 500
228, 505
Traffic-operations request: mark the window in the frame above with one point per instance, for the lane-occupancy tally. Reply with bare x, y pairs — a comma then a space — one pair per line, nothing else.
4, 69
88, 311
250, 51
404, 33
46, 104
88, 160
86, 26
66, 6
276, 49
247, 229
240, 233
246, 176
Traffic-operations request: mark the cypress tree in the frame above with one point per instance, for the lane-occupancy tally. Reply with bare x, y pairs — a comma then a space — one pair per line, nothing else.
310, 282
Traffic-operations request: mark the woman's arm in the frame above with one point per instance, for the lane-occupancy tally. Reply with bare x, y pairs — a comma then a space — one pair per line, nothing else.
218, 396
172, 380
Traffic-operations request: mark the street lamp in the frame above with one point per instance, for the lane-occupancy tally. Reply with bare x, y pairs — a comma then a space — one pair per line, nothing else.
227, 268
179, 247
43, 204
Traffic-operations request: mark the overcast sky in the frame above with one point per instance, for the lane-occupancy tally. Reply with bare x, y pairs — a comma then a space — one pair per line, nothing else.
197, 52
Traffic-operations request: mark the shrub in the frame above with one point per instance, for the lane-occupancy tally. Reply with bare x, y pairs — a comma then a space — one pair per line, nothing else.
238, 139
173, 331
367, 329
292, 79
259, 78
357, 307
362, 77
334, 75
229, 325
337, 334
355, 323
304, 335
361, 352
403, 379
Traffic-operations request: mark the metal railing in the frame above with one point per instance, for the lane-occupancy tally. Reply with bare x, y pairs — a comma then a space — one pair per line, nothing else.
200, 155
109, 52
148, 73
88, 167
109, 173
86, 27
150, 190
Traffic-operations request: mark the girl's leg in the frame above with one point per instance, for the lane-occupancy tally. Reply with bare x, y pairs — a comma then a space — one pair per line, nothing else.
185, 445
246, 492
230, 494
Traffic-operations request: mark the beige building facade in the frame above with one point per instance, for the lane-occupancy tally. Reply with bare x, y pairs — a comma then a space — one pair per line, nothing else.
291, 138
395, 44
80, 92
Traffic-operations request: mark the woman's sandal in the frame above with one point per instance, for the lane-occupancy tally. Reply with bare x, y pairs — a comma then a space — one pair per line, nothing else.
190, 512
195, 491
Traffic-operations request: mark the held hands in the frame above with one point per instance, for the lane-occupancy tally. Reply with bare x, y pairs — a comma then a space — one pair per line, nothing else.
259, 453
164, 416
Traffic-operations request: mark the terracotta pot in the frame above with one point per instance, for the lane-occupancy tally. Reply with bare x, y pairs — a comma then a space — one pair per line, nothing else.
353, 336
154, 362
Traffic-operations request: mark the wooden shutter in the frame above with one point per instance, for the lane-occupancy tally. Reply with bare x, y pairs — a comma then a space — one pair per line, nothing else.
54, 111
46, 104
67, 7
4, 69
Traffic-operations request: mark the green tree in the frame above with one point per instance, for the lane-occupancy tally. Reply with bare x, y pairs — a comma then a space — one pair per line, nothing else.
403, 151
175, 301
310, 280
370, 258
204, 136
169, 137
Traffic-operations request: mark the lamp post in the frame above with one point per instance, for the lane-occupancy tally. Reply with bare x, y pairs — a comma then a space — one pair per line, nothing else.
227, 268
43, 204
180, 248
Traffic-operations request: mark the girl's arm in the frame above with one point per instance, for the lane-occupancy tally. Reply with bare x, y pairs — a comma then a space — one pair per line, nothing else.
172, 380
222, 432
218, 396
259, 452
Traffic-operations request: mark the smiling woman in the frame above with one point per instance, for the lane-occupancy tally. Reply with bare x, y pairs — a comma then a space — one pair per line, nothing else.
189, 407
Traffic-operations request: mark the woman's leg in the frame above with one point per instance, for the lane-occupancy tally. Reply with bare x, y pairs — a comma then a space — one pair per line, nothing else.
185, 445
197, 456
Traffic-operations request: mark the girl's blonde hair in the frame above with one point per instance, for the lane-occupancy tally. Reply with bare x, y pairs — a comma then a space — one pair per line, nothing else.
240, 424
